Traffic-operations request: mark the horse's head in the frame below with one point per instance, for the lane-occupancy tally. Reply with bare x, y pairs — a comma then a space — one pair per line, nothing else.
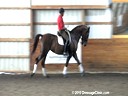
85, 35
81, 31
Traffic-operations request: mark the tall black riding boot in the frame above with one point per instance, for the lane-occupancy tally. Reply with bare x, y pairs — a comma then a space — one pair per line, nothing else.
65, 49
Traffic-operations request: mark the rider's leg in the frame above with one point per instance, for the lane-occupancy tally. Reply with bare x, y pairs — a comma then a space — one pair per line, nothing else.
66, 43
65, 37
65, 47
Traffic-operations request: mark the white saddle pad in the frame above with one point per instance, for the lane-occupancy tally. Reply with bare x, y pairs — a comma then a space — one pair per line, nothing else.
60, 40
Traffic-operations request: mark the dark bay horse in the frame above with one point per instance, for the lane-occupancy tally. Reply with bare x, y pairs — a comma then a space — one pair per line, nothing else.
50, 42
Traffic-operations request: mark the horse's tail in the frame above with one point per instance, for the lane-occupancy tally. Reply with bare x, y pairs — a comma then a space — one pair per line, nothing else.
36, 40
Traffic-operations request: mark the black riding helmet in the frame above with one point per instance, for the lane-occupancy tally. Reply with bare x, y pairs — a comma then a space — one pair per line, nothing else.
61, 10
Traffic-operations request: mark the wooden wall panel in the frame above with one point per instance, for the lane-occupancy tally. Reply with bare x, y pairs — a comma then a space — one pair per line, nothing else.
106, 55
120, 1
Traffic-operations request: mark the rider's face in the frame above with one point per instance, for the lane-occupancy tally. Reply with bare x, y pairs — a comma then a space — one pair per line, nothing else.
62, 14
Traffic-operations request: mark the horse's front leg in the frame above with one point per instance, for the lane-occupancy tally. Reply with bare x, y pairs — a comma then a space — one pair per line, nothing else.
80, 65
66, 66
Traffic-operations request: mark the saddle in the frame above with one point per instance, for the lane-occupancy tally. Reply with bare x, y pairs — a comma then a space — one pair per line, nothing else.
59, 35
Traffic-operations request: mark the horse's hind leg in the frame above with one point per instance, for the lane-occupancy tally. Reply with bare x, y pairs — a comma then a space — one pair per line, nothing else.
43, 67
34, 70
35, 65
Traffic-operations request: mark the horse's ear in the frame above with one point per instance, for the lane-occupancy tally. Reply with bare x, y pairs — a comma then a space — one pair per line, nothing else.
88, 28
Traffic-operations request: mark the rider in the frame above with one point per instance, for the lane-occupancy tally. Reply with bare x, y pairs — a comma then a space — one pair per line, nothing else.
62, 30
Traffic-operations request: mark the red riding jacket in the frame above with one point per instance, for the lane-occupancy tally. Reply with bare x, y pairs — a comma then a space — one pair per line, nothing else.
60, 22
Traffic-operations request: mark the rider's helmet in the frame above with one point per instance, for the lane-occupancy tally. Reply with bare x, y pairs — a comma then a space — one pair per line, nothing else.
61, 10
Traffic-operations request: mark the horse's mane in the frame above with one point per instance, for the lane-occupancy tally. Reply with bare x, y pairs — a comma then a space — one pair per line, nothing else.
75, 28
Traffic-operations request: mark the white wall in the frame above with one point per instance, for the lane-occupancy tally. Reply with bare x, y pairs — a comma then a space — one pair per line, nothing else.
14, 64
97, 31
15, 3
100, 31
15, 21
12, 16
14, 48
51, 16
15, 17
71, 2
15, 31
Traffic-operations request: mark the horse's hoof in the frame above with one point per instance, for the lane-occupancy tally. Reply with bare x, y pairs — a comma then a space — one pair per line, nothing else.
47, 76
82, 74
65, 76
32, 75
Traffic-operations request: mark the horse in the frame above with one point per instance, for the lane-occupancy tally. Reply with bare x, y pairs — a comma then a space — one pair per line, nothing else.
50, 42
